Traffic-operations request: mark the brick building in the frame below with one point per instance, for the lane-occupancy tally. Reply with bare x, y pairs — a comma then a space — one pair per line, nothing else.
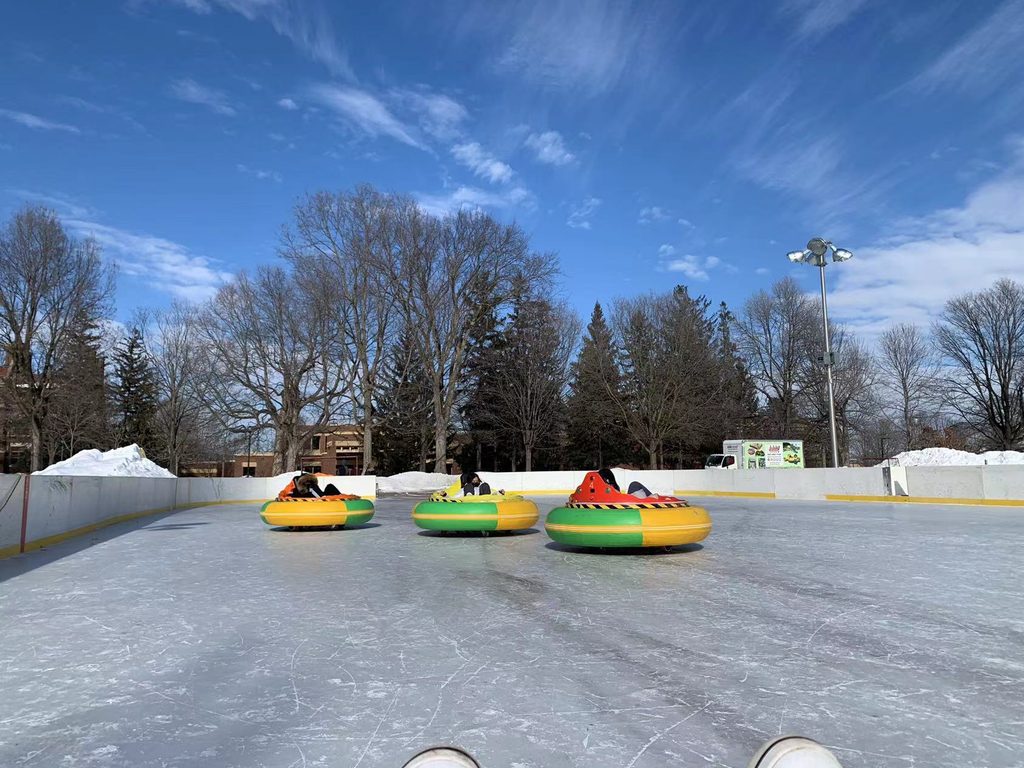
333, 450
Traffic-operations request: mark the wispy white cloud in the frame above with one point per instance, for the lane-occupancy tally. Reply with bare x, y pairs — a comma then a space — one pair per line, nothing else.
791, 148
199, 37
818, 17
287, 104
189, 90
438, 115
363, 111
80, 103
62, 204
257, 173
253, 85
653, 214
101, 109
198, 6
482, 162
592, 46
34, 121
164, 264
306, 23
799, 165
280, 138
910, 276
473, 198
985, 59
549, 147
580, 215
762, 271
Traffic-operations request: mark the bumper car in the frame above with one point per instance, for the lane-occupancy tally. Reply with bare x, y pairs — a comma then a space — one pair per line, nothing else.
444, 511
335, 510
599, 515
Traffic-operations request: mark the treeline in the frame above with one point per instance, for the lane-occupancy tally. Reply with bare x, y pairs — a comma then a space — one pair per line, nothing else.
446, 338
67, 381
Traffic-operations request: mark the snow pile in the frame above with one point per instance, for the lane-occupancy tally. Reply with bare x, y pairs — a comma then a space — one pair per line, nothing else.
129, 461
414, 482
948, 457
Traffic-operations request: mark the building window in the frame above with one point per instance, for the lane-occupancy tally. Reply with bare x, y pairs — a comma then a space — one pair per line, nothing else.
249, 471
311, 468
316, 442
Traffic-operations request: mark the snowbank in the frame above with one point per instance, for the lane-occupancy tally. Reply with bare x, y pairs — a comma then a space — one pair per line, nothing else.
414, 482
948, 457
129, 461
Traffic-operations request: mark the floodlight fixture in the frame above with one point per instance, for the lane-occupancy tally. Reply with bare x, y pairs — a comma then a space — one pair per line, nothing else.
818, 246
841, 254
797, 256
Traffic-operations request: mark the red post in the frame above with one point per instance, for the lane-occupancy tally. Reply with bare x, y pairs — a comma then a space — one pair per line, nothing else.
24, 512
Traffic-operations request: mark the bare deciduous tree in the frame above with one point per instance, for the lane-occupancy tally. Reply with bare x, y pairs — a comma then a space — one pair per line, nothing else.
981, 336
176, 359
906, 362
50, 284
273, 356
776, 337
854, 375
345, 238
448, 275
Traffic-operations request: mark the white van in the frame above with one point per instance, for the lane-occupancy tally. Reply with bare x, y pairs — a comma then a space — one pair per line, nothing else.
720, 461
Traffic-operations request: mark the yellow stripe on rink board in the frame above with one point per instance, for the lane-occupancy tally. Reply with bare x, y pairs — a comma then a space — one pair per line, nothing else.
57, 538
10, 551
737, 494
928, 500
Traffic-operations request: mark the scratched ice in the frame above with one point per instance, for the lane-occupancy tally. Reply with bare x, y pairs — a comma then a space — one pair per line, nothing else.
892, 633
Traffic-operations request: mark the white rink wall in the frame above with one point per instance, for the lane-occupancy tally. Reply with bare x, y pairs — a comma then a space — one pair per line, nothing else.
781, 483
58, 505
205, 490
12, 488
979, 484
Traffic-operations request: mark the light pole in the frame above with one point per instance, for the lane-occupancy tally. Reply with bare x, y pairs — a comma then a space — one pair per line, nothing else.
815, 255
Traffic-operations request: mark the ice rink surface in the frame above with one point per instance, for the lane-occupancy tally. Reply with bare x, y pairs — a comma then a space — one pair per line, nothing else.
893, 633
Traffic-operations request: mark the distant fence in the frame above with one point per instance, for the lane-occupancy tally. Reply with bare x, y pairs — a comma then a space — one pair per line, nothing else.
39, 510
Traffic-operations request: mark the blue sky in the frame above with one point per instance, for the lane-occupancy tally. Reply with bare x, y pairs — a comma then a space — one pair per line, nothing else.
648, 143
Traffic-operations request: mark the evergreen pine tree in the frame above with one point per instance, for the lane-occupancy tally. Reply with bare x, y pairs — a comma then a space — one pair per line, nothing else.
525, 378
78, 418
485, 438
739, 397
135, 395
595, 432
404, 427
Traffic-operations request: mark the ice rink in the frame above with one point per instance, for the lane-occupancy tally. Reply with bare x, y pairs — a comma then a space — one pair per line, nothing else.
892, 633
